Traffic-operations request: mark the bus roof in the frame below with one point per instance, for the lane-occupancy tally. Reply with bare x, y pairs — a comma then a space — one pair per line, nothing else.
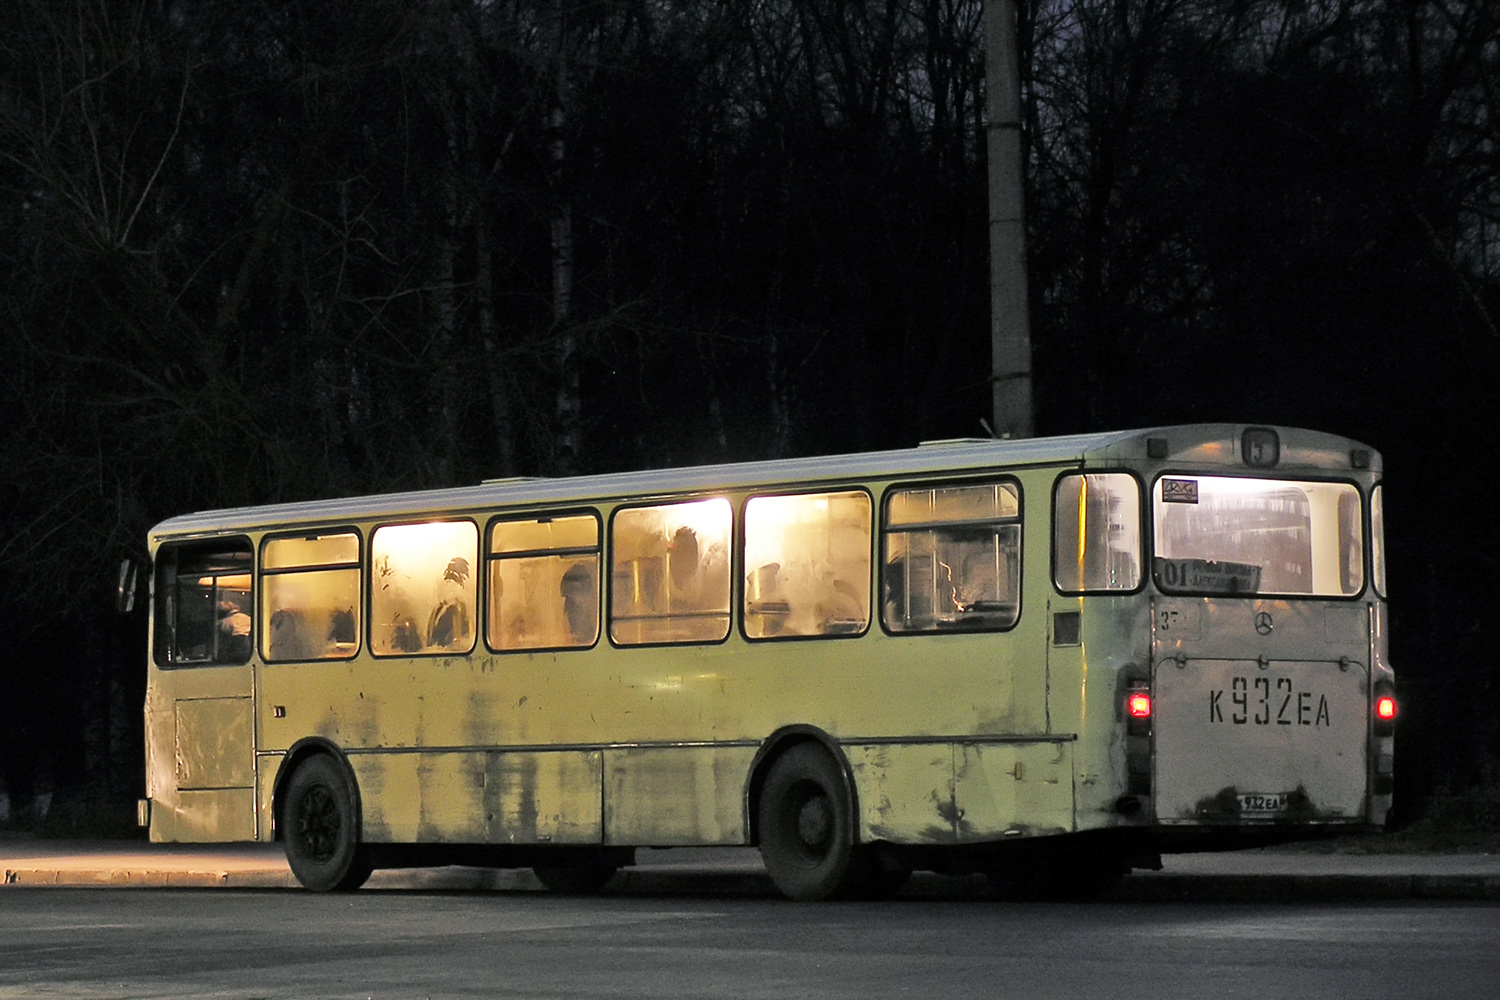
1196, 444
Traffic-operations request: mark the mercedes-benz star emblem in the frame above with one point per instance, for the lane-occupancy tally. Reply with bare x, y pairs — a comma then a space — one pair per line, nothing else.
1263, 623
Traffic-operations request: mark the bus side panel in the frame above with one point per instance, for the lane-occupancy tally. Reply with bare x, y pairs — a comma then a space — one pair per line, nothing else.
667, 796
1013, 789
544, 797
955, 793
905, 792
512, 797
200, 770
213, 743
205, 816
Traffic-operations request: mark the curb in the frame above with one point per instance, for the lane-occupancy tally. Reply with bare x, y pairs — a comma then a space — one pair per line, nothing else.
1145, 887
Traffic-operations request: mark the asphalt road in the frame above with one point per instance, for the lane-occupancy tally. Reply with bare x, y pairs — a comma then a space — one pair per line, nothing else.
135, 943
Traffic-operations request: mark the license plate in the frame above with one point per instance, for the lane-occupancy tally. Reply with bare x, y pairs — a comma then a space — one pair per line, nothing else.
1261, 803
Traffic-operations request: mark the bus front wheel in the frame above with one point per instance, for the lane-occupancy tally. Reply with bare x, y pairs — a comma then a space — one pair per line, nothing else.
806, 827
321, 828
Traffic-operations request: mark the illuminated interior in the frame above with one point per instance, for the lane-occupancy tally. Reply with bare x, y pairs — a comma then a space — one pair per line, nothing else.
423, 588
1097, 540
310, 607
669, 578
544, 583
807, 562
951, 558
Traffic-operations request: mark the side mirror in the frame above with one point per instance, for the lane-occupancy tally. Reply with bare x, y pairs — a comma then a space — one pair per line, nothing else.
126, 586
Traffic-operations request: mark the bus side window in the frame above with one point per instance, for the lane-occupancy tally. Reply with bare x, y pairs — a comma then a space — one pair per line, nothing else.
309, 596
203, 603
951, 558
808, 565
669, 573
1096, 533
423, 588
543, 583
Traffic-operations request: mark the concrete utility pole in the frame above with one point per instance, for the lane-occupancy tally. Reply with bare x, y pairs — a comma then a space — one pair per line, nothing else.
1010, 324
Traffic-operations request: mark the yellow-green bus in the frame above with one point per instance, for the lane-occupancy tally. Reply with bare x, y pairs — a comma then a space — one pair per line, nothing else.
1051, 657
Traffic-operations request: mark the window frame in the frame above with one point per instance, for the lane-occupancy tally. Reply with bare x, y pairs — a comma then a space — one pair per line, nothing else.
737, 581
608, 619
161, 656
1379, 552
362, 599
488, 557
1148, 512
1143, 534
476, 624
884, 531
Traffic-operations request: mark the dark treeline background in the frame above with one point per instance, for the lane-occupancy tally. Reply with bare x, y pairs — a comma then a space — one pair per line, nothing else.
270, 250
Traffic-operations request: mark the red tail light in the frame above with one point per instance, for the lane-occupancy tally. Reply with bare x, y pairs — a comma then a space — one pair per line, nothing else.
1138, 705
1385, 709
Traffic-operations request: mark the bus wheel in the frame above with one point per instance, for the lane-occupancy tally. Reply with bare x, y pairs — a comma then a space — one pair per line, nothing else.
574, 880
321, 829
806, 830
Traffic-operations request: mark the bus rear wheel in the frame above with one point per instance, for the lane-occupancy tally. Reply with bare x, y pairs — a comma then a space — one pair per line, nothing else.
320, 828
806, 826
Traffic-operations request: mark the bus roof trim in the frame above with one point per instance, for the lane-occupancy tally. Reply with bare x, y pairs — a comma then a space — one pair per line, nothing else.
955, 457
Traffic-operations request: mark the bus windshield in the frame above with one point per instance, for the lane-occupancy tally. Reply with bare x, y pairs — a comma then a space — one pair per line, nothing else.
1230, 535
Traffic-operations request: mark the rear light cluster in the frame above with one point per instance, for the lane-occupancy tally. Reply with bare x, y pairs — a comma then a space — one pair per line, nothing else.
1385, 708
1138, 710
1383, 727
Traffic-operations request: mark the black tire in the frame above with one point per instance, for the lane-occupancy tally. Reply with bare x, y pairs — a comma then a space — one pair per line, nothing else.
320, 828
806, 826
574, 880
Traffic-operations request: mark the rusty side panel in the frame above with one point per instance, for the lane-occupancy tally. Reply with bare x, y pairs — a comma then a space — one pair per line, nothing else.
1008, 790
517, 797
214, 744
665, 796
962, 793
544, 798
267, 767
904, 792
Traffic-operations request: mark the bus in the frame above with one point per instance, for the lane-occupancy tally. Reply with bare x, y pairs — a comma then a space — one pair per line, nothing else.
1049, 660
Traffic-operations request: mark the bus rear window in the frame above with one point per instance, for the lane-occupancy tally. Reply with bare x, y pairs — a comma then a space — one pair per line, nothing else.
1229, 535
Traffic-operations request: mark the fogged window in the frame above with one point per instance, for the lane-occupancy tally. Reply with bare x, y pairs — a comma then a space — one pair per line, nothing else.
807, 565
1096, 533
309, 600
951, 558
544, 582
423, 588
1227, 535
669, 573
203, 603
